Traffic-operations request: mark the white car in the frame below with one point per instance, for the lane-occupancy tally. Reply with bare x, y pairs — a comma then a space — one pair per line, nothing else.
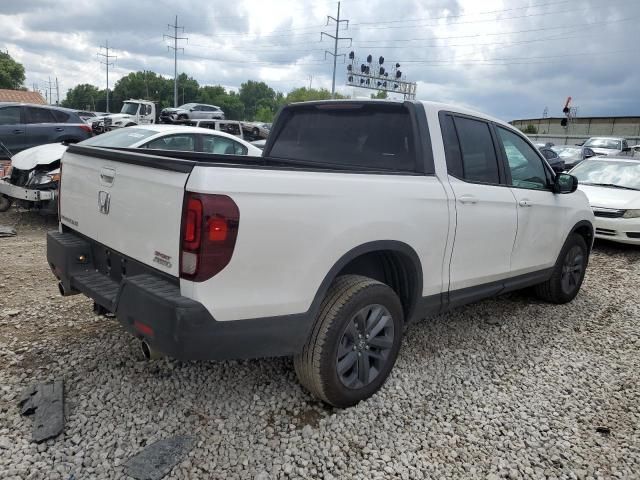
607, 145
612, 186
360, 218
175, 137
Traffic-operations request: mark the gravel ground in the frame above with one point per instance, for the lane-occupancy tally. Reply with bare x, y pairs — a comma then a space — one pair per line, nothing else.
507, 388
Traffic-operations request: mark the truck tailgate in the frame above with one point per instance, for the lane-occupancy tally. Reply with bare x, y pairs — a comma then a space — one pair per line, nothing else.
134, 209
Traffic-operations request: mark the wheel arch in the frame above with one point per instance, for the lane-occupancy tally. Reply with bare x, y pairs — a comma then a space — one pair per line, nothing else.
392, 262
585, 229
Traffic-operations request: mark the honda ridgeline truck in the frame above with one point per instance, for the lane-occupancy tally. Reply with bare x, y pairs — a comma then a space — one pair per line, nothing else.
360, 218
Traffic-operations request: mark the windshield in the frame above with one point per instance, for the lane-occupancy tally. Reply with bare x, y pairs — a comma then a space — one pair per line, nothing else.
129, 108
608, 172
567, 152
122, 138
604, 143
187, 106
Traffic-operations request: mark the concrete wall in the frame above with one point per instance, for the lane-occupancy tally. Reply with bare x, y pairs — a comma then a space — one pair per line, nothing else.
589, 127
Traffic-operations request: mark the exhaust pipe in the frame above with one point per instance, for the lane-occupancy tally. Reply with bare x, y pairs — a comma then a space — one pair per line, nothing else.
148, 352
63, 292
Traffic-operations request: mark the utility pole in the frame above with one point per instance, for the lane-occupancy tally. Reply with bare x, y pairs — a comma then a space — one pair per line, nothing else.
50, 86
175, 49
57, 92
310, 81
107, 62
336, 39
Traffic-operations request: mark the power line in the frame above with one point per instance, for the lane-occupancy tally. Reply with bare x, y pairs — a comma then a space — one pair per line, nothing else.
175, 49
336, 39
107, 62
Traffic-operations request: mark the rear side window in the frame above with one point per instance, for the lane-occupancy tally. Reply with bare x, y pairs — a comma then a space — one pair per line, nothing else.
10, 116
479, 162
369, 136
180, 142
222, 145
63, 117
39, 115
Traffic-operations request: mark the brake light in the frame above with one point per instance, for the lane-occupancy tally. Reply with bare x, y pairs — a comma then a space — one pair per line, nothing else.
86, 128
208, 237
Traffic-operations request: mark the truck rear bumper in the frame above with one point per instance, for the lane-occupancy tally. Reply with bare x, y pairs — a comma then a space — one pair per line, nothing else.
27, 194
150, 306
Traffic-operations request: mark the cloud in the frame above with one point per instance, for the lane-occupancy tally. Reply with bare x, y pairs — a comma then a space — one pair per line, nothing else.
508, 59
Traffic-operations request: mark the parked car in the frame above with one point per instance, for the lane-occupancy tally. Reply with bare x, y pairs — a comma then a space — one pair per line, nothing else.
612, 185
175, 137
231, 127
87, 117
191, 111
573, 155
24, 126
257, 129
607, 145
554, 160
353, 224
35, 172
259, 143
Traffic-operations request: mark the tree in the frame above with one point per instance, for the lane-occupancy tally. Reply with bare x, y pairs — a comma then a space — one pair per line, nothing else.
306, 94
530, 129
11, 72
255, 95
84, 96
380, 95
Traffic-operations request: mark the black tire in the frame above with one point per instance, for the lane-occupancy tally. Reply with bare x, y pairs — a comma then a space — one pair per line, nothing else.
568, 272
353, 305
5, 203
182, 117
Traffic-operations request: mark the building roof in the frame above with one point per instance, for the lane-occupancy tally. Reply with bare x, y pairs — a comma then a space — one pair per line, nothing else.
21, 96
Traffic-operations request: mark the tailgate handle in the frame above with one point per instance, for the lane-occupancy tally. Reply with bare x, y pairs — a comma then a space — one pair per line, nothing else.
107, 176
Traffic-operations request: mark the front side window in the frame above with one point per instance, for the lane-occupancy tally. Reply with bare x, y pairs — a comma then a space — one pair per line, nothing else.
181, 142
222, 145
40, 115
10, 116
527, 169
479, 160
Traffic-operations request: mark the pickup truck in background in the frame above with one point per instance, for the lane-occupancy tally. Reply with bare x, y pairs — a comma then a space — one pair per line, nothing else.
360, 218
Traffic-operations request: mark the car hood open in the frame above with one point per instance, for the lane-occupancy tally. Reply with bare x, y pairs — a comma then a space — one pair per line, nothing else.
41, 155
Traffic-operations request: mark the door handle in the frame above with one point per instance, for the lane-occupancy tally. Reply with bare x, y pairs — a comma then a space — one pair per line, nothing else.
468, 200
525, 203
17, 131
59, 129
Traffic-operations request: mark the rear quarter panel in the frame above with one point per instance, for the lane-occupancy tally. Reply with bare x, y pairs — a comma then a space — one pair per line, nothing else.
295, 225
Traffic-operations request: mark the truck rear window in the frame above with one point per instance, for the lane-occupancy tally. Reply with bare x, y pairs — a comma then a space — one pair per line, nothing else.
371, 136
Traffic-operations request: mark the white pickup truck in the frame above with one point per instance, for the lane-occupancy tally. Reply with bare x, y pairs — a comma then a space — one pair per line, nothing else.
360, 218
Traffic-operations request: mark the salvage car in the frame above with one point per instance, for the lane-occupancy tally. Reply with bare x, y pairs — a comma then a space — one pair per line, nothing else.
573, 155
34, 175
191, 111
176, 138
360, 218
607, 145
24, 126
612, 186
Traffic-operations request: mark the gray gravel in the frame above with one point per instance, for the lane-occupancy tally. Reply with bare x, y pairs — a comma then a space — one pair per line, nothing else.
508, 388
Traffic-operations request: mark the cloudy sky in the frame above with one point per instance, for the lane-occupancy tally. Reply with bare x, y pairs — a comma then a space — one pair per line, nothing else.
510, 58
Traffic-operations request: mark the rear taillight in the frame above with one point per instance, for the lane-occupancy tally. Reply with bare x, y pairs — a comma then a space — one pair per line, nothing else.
86, 128
59, 191
208, 237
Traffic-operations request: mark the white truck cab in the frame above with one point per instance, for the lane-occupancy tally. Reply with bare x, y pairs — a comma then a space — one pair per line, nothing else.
133, 112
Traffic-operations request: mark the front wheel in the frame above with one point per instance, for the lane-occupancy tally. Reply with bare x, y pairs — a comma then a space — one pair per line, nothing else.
354, 343
568, 272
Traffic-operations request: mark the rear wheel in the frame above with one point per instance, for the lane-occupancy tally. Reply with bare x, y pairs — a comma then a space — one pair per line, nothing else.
354, 343
568, 272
